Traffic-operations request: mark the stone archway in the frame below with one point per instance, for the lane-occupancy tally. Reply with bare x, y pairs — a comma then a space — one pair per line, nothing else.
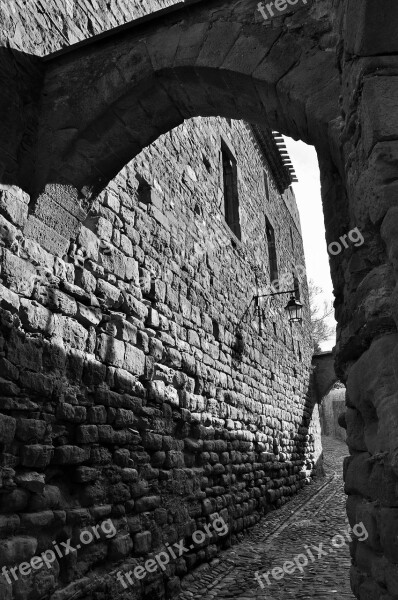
105, 99
327, 75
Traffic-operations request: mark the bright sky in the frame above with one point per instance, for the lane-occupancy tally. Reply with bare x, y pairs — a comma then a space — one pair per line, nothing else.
308, 196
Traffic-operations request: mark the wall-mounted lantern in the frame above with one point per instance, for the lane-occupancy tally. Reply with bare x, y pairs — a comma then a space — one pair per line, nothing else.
294, 308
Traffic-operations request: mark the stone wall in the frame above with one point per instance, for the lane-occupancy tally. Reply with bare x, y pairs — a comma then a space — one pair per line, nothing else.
42, 27
135, 384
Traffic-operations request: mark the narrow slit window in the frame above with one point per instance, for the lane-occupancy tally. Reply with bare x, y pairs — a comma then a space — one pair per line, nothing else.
272, 259
266, 185
291, 238
231, 196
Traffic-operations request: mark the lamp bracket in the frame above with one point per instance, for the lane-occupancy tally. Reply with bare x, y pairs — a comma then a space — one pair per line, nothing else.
276, 294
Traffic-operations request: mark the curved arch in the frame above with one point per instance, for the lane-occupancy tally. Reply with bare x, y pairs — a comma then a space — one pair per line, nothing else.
324, 374
105, 100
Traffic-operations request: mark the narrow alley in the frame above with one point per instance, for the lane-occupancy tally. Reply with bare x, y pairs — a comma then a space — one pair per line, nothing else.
310, 520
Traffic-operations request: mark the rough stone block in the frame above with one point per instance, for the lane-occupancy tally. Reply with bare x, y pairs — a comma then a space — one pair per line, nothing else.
101, 226
86, 474
134, 360
134, 307
124, 381
142, 542
9, 524
72, 414
110, 350
155, 349
35, 317
120, 547
32, 481
70, 455
54, 216
97, 414
69, 198
46, 236
379, 110
36, 456
146, 504
94, 371
31, 429
70, 331
7, 429
124, 418
13, 208
60, 302
16, 500
18, 273
132, 272
87, 434
17, 550
389, 533
8, 299
114, 262
88, 316
129, 332
90, 242
152, 441
111, 294
156, 391
372, 28
174, 460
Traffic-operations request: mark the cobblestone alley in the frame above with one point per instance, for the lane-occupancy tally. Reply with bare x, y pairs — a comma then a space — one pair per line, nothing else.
312, 518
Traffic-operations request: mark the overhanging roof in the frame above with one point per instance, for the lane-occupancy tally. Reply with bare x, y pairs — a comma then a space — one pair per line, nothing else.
273, 147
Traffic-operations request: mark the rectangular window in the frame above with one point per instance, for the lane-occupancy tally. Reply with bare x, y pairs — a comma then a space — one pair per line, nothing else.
230, 183
266, 184
273, 263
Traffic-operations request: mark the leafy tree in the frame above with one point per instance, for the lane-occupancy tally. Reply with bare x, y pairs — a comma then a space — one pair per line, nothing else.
320, 329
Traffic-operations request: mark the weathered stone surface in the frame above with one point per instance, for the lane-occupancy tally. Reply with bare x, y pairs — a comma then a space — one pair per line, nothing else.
46, 236
110, 350
34, 482
9, 299
379, 117
71, 455
17, 549
35, 317
7, 429
134, 360
36, 456
19, 274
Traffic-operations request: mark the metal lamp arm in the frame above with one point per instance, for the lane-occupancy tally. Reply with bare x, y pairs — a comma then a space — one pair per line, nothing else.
277, 293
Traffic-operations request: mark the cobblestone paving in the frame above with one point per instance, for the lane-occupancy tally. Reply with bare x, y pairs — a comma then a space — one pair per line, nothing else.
311, 518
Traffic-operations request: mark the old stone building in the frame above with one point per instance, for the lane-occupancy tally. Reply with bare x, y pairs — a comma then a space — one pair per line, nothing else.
82, 375
140, 382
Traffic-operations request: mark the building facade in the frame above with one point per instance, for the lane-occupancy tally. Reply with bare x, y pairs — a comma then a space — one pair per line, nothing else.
140, 383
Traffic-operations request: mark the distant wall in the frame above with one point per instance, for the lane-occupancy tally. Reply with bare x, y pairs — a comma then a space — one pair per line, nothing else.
332, 406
